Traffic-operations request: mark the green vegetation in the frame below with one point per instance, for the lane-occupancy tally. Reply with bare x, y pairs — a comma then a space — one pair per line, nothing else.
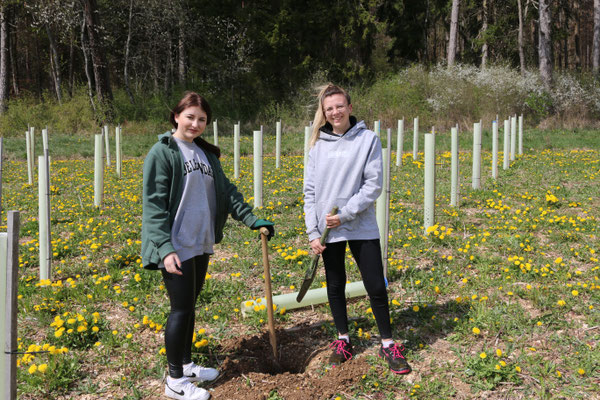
441, 98
501, 298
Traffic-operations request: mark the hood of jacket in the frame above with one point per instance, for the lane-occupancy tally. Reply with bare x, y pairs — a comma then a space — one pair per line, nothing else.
326, 131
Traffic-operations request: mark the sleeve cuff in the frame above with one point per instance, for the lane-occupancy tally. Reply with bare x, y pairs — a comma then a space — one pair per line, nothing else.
344, 216
165, 249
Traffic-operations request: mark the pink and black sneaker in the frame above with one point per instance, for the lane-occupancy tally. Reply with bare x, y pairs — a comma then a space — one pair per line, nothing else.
395, 359
342, 351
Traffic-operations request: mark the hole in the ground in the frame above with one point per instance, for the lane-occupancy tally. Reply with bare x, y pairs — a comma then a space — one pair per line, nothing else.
254, 354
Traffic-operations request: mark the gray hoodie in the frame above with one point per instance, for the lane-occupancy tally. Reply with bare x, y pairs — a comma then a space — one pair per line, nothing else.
344, 171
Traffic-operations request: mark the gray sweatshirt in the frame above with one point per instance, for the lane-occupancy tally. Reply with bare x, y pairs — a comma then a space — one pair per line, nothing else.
193, 232
344, 171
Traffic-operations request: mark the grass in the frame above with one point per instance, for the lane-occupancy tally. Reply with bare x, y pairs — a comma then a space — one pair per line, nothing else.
511, 273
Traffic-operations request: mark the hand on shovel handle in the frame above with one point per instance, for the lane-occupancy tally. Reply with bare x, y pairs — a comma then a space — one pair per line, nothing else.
309, 276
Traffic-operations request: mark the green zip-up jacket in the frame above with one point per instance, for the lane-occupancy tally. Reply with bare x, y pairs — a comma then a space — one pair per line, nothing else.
162, 190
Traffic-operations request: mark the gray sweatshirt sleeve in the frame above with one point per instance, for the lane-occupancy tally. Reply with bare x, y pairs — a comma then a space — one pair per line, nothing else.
371, 186
310, 212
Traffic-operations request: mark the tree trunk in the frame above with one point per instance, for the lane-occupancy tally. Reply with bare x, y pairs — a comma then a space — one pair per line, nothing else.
453, 33
3, 59
484, 48
545, 43
12, 55
426, 32
181, 54
520, 38
596, 41
71, 61
565, 41
86, 66
54, 65
127, 46
99, 63
577, 30
169, 67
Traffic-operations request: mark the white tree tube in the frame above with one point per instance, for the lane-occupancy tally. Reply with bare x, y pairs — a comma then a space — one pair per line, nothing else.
258, 166
521, 134
476, 155
495, 149
118, 158
314, 296
382, 205
29, 157
44, 140
415, 138
400, 142
506, 150
98, 171
215, 133
236, 151
454, 167
278, 144
107, 145
306, 149
32, 144
43, 218
429, 193
513, 137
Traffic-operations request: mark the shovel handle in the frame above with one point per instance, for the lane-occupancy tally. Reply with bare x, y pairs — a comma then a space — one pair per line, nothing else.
264, 232
333, 211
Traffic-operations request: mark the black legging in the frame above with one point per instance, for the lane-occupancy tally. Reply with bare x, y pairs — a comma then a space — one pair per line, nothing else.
367, 254
183, 291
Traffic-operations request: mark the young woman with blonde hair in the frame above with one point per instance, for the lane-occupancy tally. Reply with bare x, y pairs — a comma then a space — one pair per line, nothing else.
345, 170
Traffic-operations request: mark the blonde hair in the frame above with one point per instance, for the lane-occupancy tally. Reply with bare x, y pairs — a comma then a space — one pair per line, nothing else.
324, 91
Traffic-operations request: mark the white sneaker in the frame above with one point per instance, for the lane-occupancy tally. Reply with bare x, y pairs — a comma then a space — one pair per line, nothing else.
196, 373
183, 389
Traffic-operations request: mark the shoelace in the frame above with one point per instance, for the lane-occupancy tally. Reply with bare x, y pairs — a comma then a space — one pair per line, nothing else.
396, 351
340, 348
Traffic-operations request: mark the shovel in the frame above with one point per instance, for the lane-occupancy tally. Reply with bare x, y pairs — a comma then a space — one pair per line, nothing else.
264, 233
311, 272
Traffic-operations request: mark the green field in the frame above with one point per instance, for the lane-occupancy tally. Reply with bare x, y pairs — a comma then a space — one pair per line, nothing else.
500, 301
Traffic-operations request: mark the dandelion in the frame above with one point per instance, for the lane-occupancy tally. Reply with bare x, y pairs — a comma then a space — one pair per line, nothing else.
581, 371
476, 331
517, 368
483, 356
575, 293
32, 369
42, 368
499, 352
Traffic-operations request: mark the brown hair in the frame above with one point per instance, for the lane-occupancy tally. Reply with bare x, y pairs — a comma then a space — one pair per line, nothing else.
193, 99
325, 91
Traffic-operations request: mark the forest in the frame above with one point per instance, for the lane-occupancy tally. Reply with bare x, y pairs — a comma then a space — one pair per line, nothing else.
246, 55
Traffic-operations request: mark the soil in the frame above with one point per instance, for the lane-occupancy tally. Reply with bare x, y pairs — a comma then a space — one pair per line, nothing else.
250, 371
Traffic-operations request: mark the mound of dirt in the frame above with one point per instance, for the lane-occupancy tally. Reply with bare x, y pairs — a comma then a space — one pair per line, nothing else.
249, 370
